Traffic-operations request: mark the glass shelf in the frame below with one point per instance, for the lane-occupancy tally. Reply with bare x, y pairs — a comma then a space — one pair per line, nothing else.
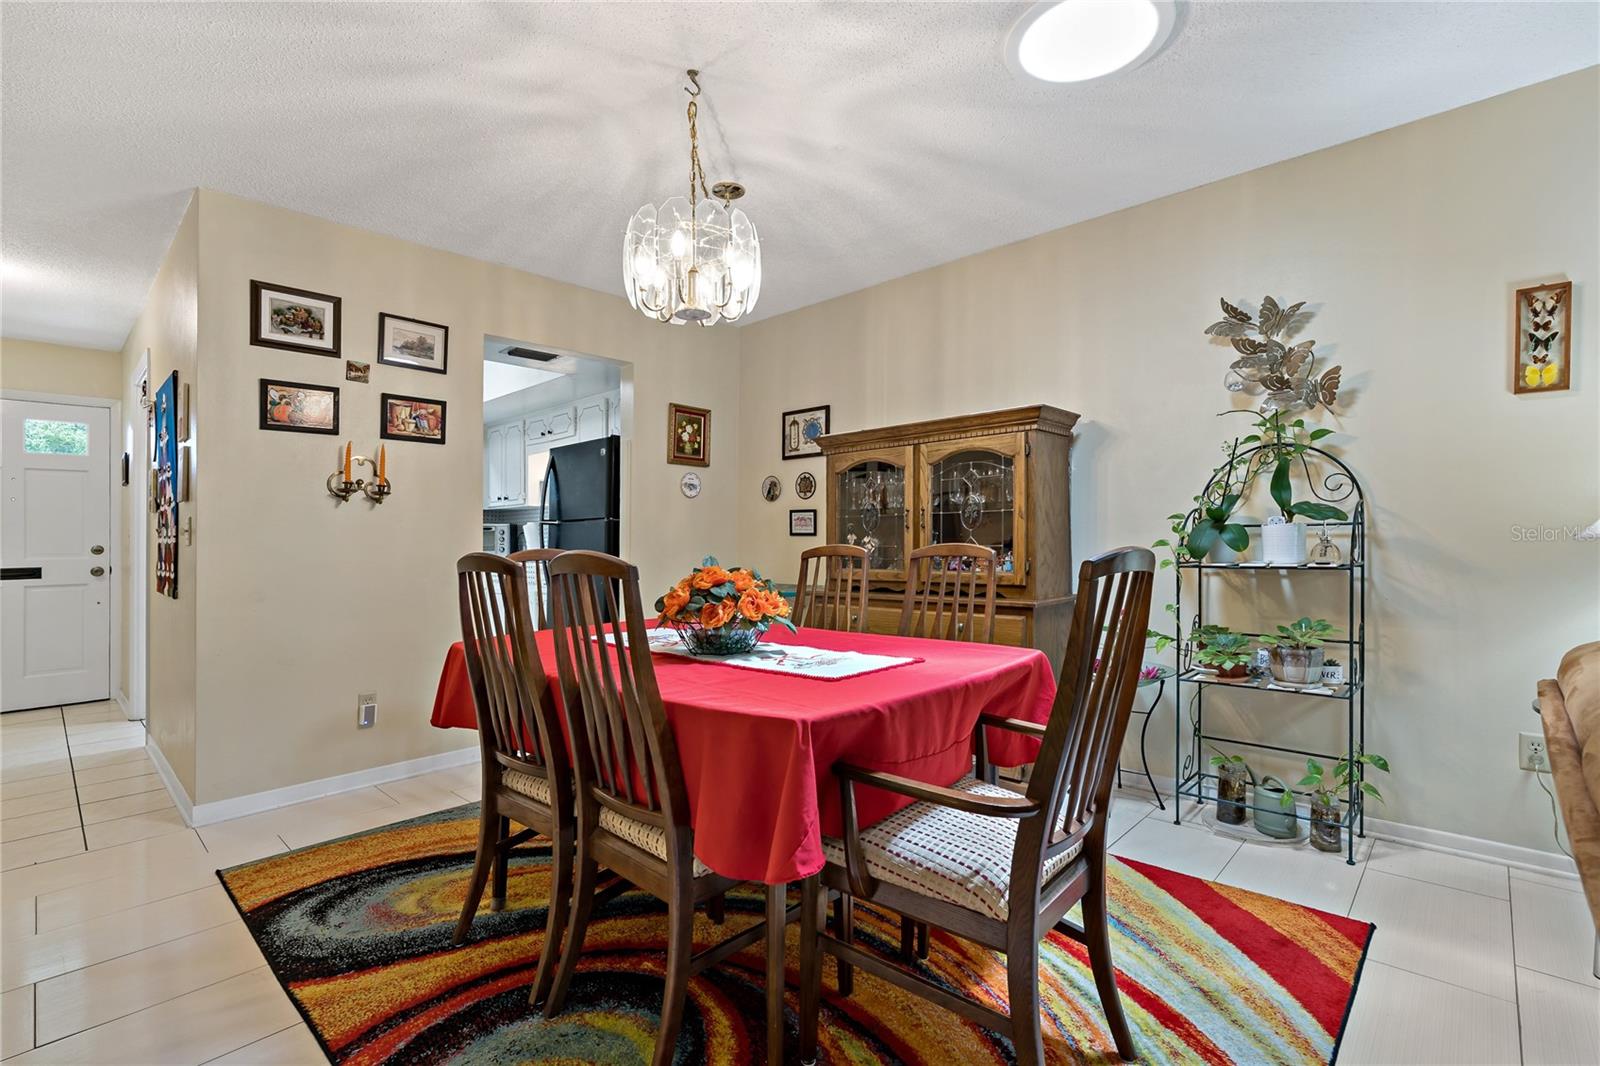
972, 496
1342, 692
872, 512
1271, 566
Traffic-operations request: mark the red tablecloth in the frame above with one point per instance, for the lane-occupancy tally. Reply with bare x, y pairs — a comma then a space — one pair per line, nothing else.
757, 748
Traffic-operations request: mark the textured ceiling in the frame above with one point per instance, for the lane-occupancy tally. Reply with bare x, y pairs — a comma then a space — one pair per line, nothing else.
876, 139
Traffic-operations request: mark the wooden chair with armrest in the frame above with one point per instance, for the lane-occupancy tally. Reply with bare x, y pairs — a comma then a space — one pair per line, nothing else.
632, 804
832, 591
992, 866
527, 775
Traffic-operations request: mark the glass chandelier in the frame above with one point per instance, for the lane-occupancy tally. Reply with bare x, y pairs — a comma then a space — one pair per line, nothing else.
693, 259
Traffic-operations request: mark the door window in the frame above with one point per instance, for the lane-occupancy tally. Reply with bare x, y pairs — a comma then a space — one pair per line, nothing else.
43, 436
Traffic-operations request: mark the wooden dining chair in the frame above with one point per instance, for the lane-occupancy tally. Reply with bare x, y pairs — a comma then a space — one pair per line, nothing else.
632, 804
832, 591
527, 775
536, 563
990, 865
949, 593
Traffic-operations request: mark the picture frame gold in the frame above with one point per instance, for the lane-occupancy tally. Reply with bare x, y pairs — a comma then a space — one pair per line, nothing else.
688, 435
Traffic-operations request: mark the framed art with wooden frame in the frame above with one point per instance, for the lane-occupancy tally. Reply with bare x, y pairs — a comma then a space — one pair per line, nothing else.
413, 343
1541, 341
294, 319
296, 407
688, 435
411, 418
802, 428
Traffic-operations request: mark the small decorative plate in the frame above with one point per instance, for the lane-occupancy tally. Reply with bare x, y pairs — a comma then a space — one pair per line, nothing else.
805, 486
771, 488
690, 484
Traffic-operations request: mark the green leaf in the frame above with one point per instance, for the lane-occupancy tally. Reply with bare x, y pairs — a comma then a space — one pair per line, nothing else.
1286, 801
1371, 790
785, 623
1377, 760
1254, 438
1236, 537
1309, 779
1229, 502
1164, 564
661, 604
1163, 543
1201, 540
1313, 767
1282, 492
723, 591
1318, 434
1318, 512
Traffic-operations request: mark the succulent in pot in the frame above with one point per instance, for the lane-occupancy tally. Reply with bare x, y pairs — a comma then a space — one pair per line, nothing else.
1297, 653
1227, 653
1234, 776
1332, 672
1327, 792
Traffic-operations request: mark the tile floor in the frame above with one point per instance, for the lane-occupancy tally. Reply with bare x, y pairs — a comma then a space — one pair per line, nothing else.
117, 945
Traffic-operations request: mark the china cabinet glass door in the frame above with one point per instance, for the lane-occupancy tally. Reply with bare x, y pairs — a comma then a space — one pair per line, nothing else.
871, 507
972, 493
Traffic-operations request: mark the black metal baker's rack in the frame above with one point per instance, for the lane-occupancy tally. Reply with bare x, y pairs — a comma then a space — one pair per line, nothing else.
1339, 486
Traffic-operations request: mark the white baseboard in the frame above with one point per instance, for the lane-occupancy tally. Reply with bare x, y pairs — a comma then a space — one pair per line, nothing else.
180, 797
1417, 836
239, 806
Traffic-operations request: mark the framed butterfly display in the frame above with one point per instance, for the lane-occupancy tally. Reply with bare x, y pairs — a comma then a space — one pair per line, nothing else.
1541, 348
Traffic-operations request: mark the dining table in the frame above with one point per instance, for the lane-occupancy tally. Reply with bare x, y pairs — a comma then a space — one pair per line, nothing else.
758, 746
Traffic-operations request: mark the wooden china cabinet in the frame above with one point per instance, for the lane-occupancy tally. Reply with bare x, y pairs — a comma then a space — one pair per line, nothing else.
999, 479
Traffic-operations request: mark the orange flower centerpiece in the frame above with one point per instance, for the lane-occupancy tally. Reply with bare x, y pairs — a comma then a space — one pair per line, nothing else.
722, 611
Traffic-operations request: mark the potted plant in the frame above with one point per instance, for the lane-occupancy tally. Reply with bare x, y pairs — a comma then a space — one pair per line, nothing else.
1296, 657
718, 611
1327, 790
1227, 653
1233, 778
1332, 672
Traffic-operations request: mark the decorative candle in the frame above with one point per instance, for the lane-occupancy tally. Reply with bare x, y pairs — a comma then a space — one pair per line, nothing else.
347, 462
383, 463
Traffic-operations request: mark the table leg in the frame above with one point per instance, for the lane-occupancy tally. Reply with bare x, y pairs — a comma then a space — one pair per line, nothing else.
777, 911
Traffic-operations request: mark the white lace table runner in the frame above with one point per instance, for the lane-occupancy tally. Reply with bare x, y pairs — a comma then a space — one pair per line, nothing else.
822, 664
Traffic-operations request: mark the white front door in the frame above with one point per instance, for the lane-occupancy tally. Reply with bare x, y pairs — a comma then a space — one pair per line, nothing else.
55, 540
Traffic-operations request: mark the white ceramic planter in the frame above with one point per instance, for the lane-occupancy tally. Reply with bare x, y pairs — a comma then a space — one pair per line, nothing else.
1283, 543
1333, 675
1221, 553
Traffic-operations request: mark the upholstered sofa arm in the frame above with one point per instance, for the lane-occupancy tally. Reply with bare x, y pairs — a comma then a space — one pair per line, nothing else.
1574, 764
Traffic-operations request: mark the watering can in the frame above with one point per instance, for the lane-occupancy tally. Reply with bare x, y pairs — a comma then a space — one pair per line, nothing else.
1282, 823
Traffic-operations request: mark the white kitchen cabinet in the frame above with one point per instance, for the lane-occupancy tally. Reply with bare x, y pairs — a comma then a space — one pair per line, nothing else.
614, 414
593, 418
555, 426
505, 466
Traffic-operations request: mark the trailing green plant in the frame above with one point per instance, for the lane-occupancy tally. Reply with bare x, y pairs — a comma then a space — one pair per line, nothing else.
1222, 758
1224, 651
1304, 633
1337, 782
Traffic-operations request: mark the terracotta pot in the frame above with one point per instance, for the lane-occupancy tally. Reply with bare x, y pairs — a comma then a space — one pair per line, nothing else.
1241, 670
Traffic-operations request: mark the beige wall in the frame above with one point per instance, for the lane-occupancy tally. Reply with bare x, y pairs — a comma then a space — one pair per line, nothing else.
1408, 245
304, 603
33, 366
168, 329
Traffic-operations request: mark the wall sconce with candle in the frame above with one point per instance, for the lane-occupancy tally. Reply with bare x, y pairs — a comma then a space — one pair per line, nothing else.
342, 484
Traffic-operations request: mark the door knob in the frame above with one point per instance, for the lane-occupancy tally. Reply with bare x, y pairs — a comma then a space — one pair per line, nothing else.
97, 571
98, 549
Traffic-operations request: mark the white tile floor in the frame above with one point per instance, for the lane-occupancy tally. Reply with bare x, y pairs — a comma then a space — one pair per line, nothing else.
118, 946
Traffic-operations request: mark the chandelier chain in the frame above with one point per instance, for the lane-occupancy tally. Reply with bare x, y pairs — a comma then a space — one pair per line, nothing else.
696, 171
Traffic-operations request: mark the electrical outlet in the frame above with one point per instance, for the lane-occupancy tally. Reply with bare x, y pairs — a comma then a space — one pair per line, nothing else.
1530, 752
366, 710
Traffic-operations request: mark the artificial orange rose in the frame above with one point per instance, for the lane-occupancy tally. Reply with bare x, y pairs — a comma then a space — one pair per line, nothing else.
710, 576
717, 615
675, 599
753, 606
743, 581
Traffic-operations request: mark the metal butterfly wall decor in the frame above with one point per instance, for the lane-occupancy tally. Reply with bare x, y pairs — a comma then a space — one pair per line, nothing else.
1267, 363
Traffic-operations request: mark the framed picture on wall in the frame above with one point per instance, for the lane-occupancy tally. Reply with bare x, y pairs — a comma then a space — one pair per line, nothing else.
688, 435
412, 343
166, 495
803, 523
1541, 346
293, 319
411, 418
296, 407
802, 428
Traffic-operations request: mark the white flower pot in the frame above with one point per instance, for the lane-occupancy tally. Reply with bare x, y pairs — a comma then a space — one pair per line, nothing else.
1333, 675
1283, 543
1221, 553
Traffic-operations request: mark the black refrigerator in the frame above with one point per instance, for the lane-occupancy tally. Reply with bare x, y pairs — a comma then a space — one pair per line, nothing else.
579, 500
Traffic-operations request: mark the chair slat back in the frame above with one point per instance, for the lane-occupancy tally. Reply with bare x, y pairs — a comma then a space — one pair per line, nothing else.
623, 745
832, 590
536, 562
1077, 761
516, 709
949, 593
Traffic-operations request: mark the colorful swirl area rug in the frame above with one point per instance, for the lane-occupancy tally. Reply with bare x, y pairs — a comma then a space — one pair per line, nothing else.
358, 931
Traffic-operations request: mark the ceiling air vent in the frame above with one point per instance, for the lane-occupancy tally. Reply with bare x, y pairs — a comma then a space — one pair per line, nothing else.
533, 355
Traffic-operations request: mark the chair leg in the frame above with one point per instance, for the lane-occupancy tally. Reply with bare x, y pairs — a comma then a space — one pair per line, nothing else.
1022, 984
481, 868
572, 943
922, 940
811, 901
680, 946
717, 908
1097, 939
502, 858
844, 927
908, 939
555, 919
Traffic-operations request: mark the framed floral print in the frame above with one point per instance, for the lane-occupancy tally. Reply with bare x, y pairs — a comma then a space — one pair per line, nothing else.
688, 435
